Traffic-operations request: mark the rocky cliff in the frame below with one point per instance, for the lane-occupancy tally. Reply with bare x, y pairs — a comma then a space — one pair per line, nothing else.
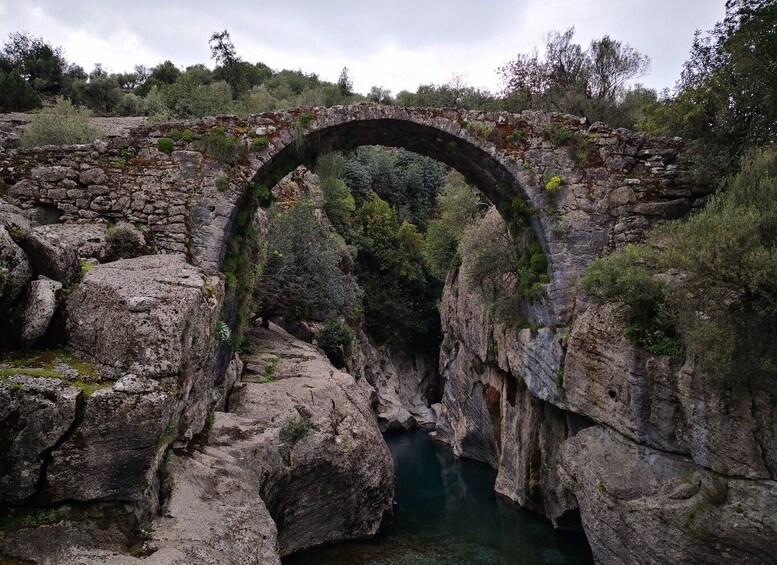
652, 462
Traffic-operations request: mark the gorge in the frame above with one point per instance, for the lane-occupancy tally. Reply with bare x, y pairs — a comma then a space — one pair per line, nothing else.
132, 431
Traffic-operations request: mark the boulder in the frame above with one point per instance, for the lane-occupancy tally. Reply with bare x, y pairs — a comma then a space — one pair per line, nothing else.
15, 271
42, 302
146, 316
113, 453
35, 414
53, 252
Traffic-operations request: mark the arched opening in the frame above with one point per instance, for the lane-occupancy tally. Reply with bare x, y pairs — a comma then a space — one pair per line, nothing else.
485, 171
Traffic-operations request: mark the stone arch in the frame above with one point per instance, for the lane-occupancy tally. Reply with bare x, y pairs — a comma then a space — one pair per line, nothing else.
443, 135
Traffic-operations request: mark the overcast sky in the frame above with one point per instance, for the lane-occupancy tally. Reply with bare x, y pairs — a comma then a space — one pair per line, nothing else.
398, 44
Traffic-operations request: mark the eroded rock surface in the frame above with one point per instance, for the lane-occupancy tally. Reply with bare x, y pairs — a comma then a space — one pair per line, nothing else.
299, 440
35, 414
42, 302
677, 511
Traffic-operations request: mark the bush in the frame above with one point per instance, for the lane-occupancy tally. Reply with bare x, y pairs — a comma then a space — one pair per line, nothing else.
727, 300
439, 248
295, 430
625, 278
165, 145
224, 148
62, 124
339, 205
335, 338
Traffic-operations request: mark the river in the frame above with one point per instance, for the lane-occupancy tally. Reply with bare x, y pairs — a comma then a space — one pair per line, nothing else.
447, 513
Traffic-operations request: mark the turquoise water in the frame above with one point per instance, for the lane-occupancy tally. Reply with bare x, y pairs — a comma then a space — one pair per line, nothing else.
447, 513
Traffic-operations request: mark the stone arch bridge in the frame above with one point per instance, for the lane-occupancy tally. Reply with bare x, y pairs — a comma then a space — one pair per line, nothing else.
615, 183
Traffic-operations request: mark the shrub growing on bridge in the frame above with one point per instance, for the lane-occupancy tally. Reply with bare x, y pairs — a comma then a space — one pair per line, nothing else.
62, 124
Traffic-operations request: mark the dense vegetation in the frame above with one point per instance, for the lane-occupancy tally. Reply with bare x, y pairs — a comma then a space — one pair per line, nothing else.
711, 281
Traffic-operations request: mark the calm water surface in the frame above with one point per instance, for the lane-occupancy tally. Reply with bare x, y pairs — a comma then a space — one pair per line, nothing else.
447, 513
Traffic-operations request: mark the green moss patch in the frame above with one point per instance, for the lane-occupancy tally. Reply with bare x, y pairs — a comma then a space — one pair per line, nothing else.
53, 364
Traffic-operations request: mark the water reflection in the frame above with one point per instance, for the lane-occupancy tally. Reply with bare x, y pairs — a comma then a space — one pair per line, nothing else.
447, 513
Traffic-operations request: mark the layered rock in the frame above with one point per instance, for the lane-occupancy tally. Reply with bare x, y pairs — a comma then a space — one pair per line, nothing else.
675, 465
406, 383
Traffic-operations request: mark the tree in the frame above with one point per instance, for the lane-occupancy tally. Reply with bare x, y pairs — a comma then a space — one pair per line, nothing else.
726, 100
16, 94
231, 68
345, 83
36, 60
302, 278
590, 82
102, 95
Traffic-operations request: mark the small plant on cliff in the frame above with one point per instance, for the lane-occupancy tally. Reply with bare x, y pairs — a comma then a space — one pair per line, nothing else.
222, 183
296, 429
62, 124
165, 145
479, 128
223, 332
554, 183
259, 143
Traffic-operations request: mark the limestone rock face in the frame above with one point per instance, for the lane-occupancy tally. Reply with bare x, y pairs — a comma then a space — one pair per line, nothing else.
299, 440
406, 384
340, 467
53, 253
41, 304
640, 505
111, 453
15, 271
661, 402
35, 414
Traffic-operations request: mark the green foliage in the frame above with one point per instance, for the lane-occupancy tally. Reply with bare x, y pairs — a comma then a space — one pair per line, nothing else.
102, 95
165, 145
187, 135
175, 134
259, 143
726, 100
518, 137
222, 183
517, 213
62, 124
586, 82
407, 181
399, 295
223, 333
560, 136
305, 119
293, 431
339, 204
498, 268
624, 278
16, 94
302, 278
335, 338
554, 183
727, 300
261, 194
439, 249
42, 65
653, 337
224, 148
482, 129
